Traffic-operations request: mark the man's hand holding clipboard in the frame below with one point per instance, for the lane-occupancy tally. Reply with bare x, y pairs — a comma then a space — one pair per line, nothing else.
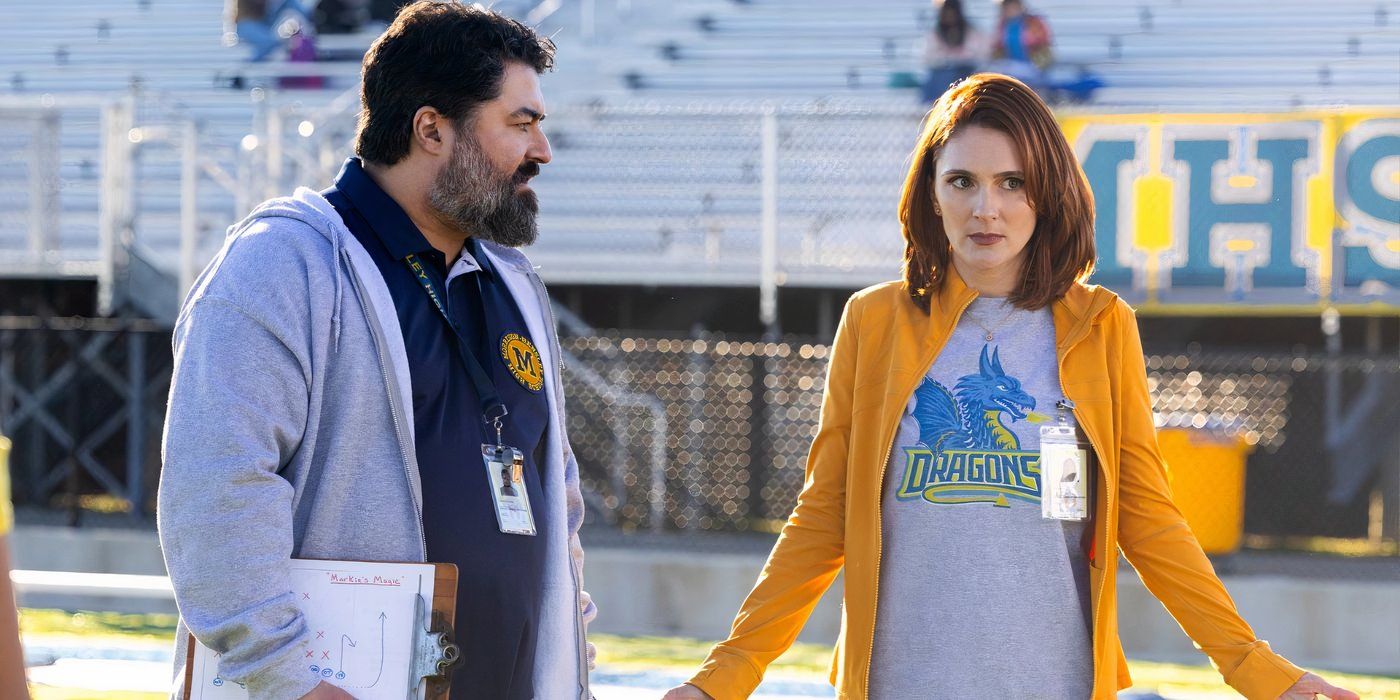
326, 691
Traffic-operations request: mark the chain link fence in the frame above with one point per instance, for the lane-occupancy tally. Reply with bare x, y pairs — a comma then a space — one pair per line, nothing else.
710, 433
1326, 455
740, 417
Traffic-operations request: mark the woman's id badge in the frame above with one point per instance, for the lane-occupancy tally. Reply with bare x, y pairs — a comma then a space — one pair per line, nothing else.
505, 473
1064, 474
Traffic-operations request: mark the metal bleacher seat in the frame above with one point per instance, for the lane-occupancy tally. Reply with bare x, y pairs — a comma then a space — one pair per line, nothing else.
65, 61
654, 116
793, 49
695, 177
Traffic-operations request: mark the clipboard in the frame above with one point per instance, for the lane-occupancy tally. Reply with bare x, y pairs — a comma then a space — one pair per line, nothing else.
342, 596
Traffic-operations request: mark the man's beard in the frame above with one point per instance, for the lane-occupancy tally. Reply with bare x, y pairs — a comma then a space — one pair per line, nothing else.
471, 195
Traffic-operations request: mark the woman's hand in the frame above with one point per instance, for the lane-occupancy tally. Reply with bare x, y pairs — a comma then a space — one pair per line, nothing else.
1311, 685
689, 692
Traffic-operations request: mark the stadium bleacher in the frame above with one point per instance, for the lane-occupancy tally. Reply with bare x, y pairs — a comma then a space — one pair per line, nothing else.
656, 121
1154, 53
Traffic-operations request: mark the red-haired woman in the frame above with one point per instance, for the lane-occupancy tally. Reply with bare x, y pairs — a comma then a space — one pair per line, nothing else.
986, 449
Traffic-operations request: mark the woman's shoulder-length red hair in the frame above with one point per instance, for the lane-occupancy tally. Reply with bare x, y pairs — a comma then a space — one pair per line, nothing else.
1061, 248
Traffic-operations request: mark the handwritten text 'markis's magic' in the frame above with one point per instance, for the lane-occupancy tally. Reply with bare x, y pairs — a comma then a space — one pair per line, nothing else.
352, 580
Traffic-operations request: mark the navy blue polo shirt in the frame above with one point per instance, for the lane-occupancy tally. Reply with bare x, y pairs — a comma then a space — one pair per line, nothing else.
499, 592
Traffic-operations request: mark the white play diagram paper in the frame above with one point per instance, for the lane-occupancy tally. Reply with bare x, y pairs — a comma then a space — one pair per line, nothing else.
363, 618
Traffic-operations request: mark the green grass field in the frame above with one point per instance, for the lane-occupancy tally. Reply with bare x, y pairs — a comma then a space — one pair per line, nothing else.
99, 628
1171, 680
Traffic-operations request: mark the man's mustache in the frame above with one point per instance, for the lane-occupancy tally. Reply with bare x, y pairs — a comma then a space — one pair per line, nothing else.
527, 171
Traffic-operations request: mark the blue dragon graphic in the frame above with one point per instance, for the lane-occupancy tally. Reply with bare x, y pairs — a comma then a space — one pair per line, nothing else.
977, 413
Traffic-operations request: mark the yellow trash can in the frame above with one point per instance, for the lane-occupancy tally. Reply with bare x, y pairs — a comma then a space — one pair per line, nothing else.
7, 515
1206, 472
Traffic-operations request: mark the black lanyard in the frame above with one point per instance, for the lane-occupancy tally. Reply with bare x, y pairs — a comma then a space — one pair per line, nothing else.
492, 408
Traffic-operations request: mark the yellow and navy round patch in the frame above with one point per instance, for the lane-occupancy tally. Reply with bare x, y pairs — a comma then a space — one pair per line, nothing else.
523, 361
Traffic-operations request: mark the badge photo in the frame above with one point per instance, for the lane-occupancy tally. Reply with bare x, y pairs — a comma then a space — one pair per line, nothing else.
523, 360
505, 475
1064, 475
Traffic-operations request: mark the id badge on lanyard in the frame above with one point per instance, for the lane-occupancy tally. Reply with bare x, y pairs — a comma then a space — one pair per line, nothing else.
1065, 471
505, 465
505, 474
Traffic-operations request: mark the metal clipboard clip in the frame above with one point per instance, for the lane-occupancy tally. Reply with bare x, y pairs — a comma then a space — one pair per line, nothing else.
433, 654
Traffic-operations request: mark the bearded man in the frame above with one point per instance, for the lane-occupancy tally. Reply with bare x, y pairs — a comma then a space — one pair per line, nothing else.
371, 372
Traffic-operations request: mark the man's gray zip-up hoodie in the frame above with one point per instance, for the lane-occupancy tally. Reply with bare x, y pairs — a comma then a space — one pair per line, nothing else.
290, 435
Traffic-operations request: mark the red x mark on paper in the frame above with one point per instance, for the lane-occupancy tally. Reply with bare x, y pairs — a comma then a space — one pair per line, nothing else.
308, 654
321, 634
325, 655
306, 596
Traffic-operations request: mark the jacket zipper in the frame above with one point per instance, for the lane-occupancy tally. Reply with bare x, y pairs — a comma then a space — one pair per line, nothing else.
1108, 507
880, 494
390, 389
552, 337
398, 428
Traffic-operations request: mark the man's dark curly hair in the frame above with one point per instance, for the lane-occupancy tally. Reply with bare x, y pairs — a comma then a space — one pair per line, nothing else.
444, 55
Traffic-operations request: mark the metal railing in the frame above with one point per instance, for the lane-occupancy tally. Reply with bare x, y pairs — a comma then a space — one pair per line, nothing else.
40, 180
116, 189
752, 195
761, 195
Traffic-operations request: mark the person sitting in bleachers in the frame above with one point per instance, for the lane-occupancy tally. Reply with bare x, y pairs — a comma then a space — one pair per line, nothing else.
256, 23
953, 50
1022, 45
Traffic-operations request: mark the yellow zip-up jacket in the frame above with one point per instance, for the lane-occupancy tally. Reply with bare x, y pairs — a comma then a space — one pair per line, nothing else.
883, 348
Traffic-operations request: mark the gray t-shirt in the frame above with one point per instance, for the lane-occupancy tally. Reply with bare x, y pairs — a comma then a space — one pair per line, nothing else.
980, 597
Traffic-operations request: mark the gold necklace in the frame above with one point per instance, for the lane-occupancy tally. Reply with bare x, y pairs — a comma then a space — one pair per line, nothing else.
997, 325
